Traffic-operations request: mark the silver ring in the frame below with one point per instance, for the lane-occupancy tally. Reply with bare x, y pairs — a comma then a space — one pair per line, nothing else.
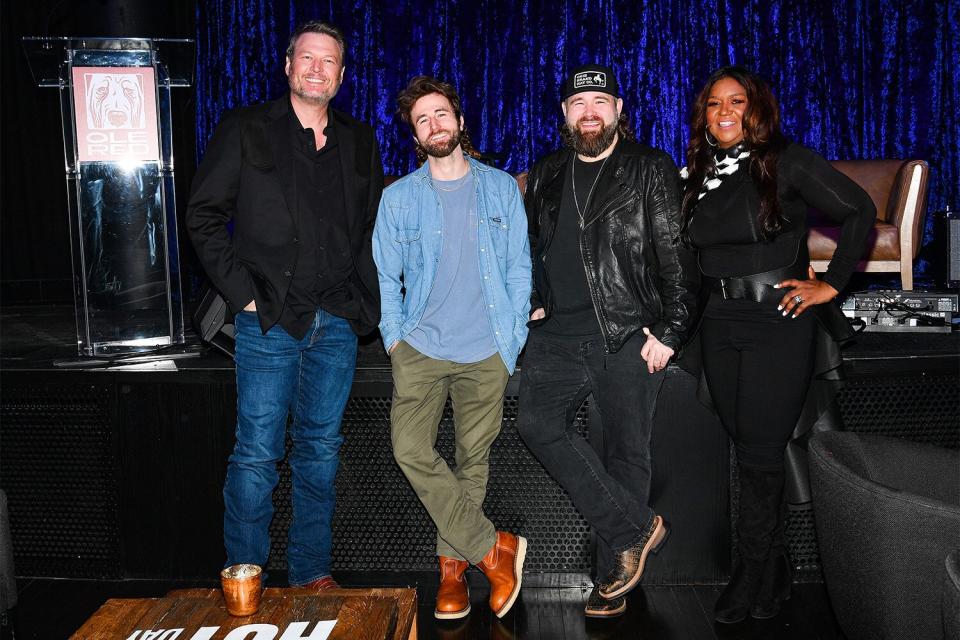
798, 299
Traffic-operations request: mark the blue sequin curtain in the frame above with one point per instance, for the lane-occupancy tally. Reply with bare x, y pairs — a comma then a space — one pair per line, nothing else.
855, 78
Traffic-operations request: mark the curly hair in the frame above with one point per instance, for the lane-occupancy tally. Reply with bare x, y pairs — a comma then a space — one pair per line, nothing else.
420, 86
761, 132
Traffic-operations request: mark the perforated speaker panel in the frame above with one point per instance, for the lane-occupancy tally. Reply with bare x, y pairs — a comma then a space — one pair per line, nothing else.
380, 525
58, 468
801, 534
61, 446
920, 408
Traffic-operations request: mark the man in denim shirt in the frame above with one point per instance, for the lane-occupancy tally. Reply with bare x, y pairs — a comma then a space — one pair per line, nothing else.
452, 254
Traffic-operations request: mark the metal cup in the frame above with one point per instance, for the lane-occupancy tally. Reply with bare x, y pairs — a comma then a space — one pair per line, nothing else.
241, 589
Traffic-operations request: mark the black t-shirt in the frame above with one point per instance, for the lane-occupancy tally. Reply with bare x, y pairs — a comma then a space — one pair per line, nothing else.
573, 313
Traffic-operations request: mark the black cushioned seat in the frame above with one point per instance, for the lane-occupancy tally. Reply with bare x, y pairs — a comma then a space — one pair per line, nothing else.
951, 597
887, 513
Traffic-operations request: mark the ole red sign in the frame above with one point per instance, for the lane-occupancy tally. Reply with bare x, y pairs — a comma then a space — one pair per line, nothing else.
116, 114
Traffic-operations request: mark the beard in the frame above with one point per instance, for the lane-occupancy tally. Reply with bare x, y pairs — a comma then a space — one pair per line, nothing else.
443, 148
314, 97
594, 143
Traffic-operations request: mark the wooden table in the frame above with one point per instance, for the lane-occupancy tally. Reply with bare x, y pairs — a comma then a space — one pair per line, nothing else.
199, 614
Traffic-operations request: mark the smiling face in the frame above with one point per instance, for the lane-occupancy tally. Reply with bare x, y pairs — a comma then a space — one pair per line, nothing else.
726, 107
591, 118
315, 70
435, 125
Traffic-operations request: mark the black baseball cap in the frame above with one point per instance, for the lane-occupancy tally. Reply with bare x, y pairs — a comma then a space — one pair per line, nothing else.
591, 77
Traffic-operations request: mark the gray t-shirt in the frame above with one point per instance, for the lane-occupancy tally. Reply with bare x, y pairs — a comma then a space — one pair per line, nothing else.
454, 325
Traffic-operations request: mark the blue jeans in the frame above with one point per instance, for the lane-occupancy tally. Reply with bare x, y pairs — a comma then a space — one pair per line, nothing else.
610, 488
310, 379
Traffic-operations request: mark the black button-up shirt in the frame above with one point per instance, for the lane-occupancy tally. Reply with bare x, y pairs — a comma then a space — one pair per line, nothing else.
324, 261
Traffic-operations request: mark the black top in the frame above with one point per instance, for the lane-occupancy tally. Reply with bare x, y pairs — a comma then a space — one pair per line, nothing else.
725, 228
323, 260
573, 313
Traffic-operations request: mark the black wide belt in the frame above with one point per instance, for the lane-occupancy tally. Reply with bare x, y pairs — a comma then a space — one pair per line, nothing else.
757, 286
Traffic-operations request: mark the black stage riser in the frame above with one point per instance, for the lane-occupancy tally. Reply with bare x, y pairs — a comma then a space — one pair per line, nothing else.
122, 476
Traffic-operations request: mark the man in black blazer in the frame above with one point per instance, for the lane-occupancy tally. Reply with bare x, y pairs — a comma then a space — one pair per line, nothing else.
301, 183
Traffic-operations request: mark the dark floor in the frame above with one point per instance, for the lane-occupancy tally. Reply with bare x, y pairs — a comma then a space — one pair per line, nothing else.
53, 609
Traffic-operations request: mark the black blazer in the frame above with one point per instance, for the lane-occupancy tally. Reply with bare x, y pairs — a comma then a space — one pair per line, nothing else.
247, 176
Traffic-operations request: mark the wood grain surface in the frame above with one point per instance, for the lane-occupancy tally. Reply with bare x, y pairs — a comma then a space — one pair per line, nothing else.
361, 614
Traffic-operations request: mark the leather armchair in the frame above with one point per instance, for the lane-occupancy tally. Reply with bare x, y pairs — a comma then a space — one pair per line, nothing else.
899, 190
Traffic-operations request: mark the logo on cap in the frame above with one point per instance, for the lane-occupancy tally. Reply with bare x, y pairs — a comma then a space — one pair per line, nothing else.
590, 79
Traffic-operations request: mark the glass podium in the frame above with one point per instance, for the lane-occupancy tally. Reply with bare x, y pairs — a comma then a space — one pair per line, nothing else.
118, 152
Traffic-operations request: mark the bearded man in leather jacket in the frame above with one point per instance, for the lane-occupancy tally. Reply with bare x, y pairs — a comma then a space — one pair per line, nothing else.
613, 300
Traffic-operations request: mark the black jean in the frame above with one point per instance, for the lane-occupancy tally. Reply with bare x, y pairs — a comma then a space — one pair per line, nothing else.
758, 366
610, 491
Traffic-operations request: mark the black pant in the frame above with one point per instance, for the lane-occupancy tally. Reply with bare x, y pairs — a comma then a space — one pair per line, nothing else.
758, 366
611, 492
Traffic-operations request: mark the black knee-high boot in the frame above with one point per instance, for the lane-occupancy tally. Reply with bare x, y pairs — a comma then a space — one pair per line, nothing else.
760, 497
777, 575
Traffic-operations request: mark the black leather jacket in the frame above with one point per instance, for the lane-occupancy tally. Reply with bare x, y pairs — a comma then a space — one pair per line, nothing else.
639, 272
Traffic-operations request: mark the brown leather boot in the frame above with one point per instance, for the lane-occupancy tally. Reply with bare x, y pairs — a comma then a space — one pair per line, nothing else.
503, 566
453, 594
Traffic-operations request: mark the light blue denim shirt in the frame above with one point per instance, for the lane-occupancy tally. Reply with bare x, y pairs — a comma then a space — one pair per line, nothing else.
407, 241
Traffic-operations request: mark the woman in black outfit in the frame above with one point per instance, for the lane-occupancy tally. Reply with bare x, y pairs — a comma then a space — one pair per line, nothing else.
746, 194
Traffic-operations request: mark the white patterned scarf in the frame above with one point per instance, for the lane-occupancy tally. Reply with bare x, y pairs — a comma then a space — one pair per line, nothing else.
725, 163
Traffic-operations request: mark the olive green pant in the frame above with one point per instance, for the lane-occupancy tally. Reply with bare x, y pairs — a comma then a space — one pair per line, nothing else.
453, 498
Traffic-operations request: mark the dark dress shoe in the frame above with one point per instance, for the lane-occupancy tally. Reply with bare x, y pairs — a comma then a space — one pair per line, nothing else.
631, 561
320, 584
600, 607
